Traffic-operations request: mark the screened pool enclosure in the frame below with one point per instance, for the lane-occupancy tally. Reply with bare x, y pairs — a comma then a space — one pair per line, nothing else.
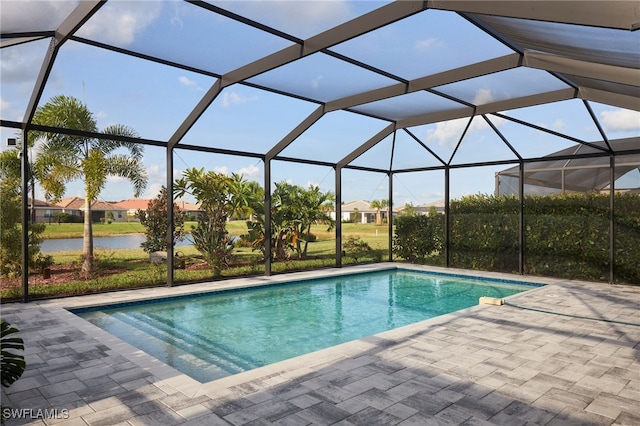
543, 94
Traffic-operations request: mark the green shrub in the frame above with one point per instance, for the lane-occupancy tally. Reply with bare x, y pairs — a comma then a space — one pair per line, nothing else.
566, 236
357, 248
418, 237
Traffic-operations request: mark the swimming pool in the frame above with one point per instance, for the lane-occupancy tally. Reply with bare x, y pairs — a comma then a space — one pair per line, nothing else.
214, 335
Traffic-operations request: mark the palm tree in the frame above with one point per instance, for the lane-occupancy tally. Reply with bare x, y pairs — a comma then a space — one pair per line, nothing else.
64, 158
379, 205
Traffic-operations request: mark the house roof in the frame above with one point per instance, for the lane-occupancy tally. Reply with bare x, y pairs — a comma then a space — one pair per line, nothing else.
40, 203
77, 203
133, 204
187, 206
71, 203
360, 205
142, 203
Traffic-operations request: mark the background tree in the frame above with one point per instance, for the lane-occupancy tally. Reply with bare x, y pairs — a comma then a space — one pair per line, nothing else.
293, 211
379, 205
64, 158
218, 199
11, 220
409, 210
154, 220
314, 208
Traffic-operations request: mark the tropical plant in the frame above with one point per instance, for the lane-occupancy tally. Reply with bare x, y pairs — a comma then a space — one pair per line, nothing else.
155, 222
11, 219
293, 211
65, 158
218, 199
314, 208
379, 205
12, 364
409, 210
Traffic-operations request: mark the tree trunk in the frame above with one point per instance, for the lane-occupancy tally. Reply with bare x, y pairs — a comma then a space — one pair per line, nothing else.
306, 242
87, 239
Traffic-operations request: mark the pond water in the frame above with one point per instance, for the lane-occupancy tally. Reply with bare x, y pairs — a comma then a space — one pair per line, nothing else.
127, 241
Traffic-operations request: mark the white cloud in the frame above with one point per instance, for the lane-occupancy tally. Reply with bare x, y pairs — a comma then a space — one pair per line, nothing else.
448, 133
17, 15
4, 106
483, 97
621, 120
221, 169
559, 125
119, 22
21, 65
187, 82
302, 18
315, 83
116, 179
231, 98
153, 190
250, 171
427, 43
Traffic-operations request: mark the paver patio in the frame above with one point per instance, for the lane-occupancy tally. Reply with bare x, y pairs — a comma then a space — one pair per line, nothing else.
506, 365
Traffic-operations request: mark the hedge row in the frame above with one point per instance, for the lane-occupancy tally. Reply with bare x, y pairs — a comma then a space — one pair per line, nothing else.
565, 236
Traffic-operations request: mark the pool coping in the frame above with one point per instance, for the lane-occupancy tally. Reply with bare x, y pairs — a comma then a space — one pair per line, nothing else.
291, 368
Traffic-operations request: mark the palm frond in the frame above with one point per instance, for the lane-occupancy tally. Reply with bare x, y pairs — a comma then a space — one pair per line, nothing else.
130, 169
136, 150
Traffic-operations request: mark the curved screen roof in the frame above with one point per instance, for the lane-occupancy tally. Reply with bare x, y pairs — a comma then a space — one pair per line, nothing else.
186, 74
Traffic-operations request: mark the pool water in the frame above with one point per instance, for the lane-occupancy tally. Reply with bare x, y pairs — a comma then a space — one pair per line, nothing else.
214, 335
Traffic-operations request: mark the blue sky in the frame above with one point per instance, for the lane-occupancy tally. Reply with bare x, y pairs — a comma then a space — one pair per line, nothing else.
154, 99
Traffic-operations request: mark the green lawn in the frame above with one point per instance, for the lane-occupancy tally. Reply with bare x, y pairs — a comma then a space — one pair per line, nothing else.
235, 227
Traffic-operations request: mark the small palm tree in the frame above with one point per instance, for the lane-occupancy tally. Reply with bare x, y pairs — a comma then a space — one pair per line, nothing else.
64, 158
379, 205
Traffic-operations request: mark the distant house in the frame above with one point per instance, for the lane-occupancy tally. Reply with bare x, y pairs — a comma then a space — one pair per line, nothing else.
424, 209
44, 212
132, 205
359, 211
188, 208
74, 206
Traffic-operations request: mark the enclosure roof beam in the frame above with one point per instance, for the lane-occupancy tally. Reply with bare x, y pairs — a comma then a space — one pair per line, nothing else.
463, 73
616, 74
366, 146
621, 14
609, 98
297, 131
81, 14
368, 22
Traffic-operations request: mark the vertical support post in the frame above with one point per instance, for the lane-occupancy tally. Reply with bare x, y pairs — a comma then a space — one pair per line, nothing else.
390, 216
267, 216
612, 222
521, 242
447, 220
170, 218
338, 210
26, 225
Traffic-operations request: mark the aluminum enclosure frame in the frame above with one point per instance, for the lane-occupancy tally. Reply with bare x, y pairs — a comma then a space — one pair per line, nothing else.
576, 74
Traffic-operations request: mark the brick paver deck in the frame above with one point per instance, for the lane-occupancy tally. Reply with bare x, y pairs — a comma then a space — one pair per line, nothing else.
505, 365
